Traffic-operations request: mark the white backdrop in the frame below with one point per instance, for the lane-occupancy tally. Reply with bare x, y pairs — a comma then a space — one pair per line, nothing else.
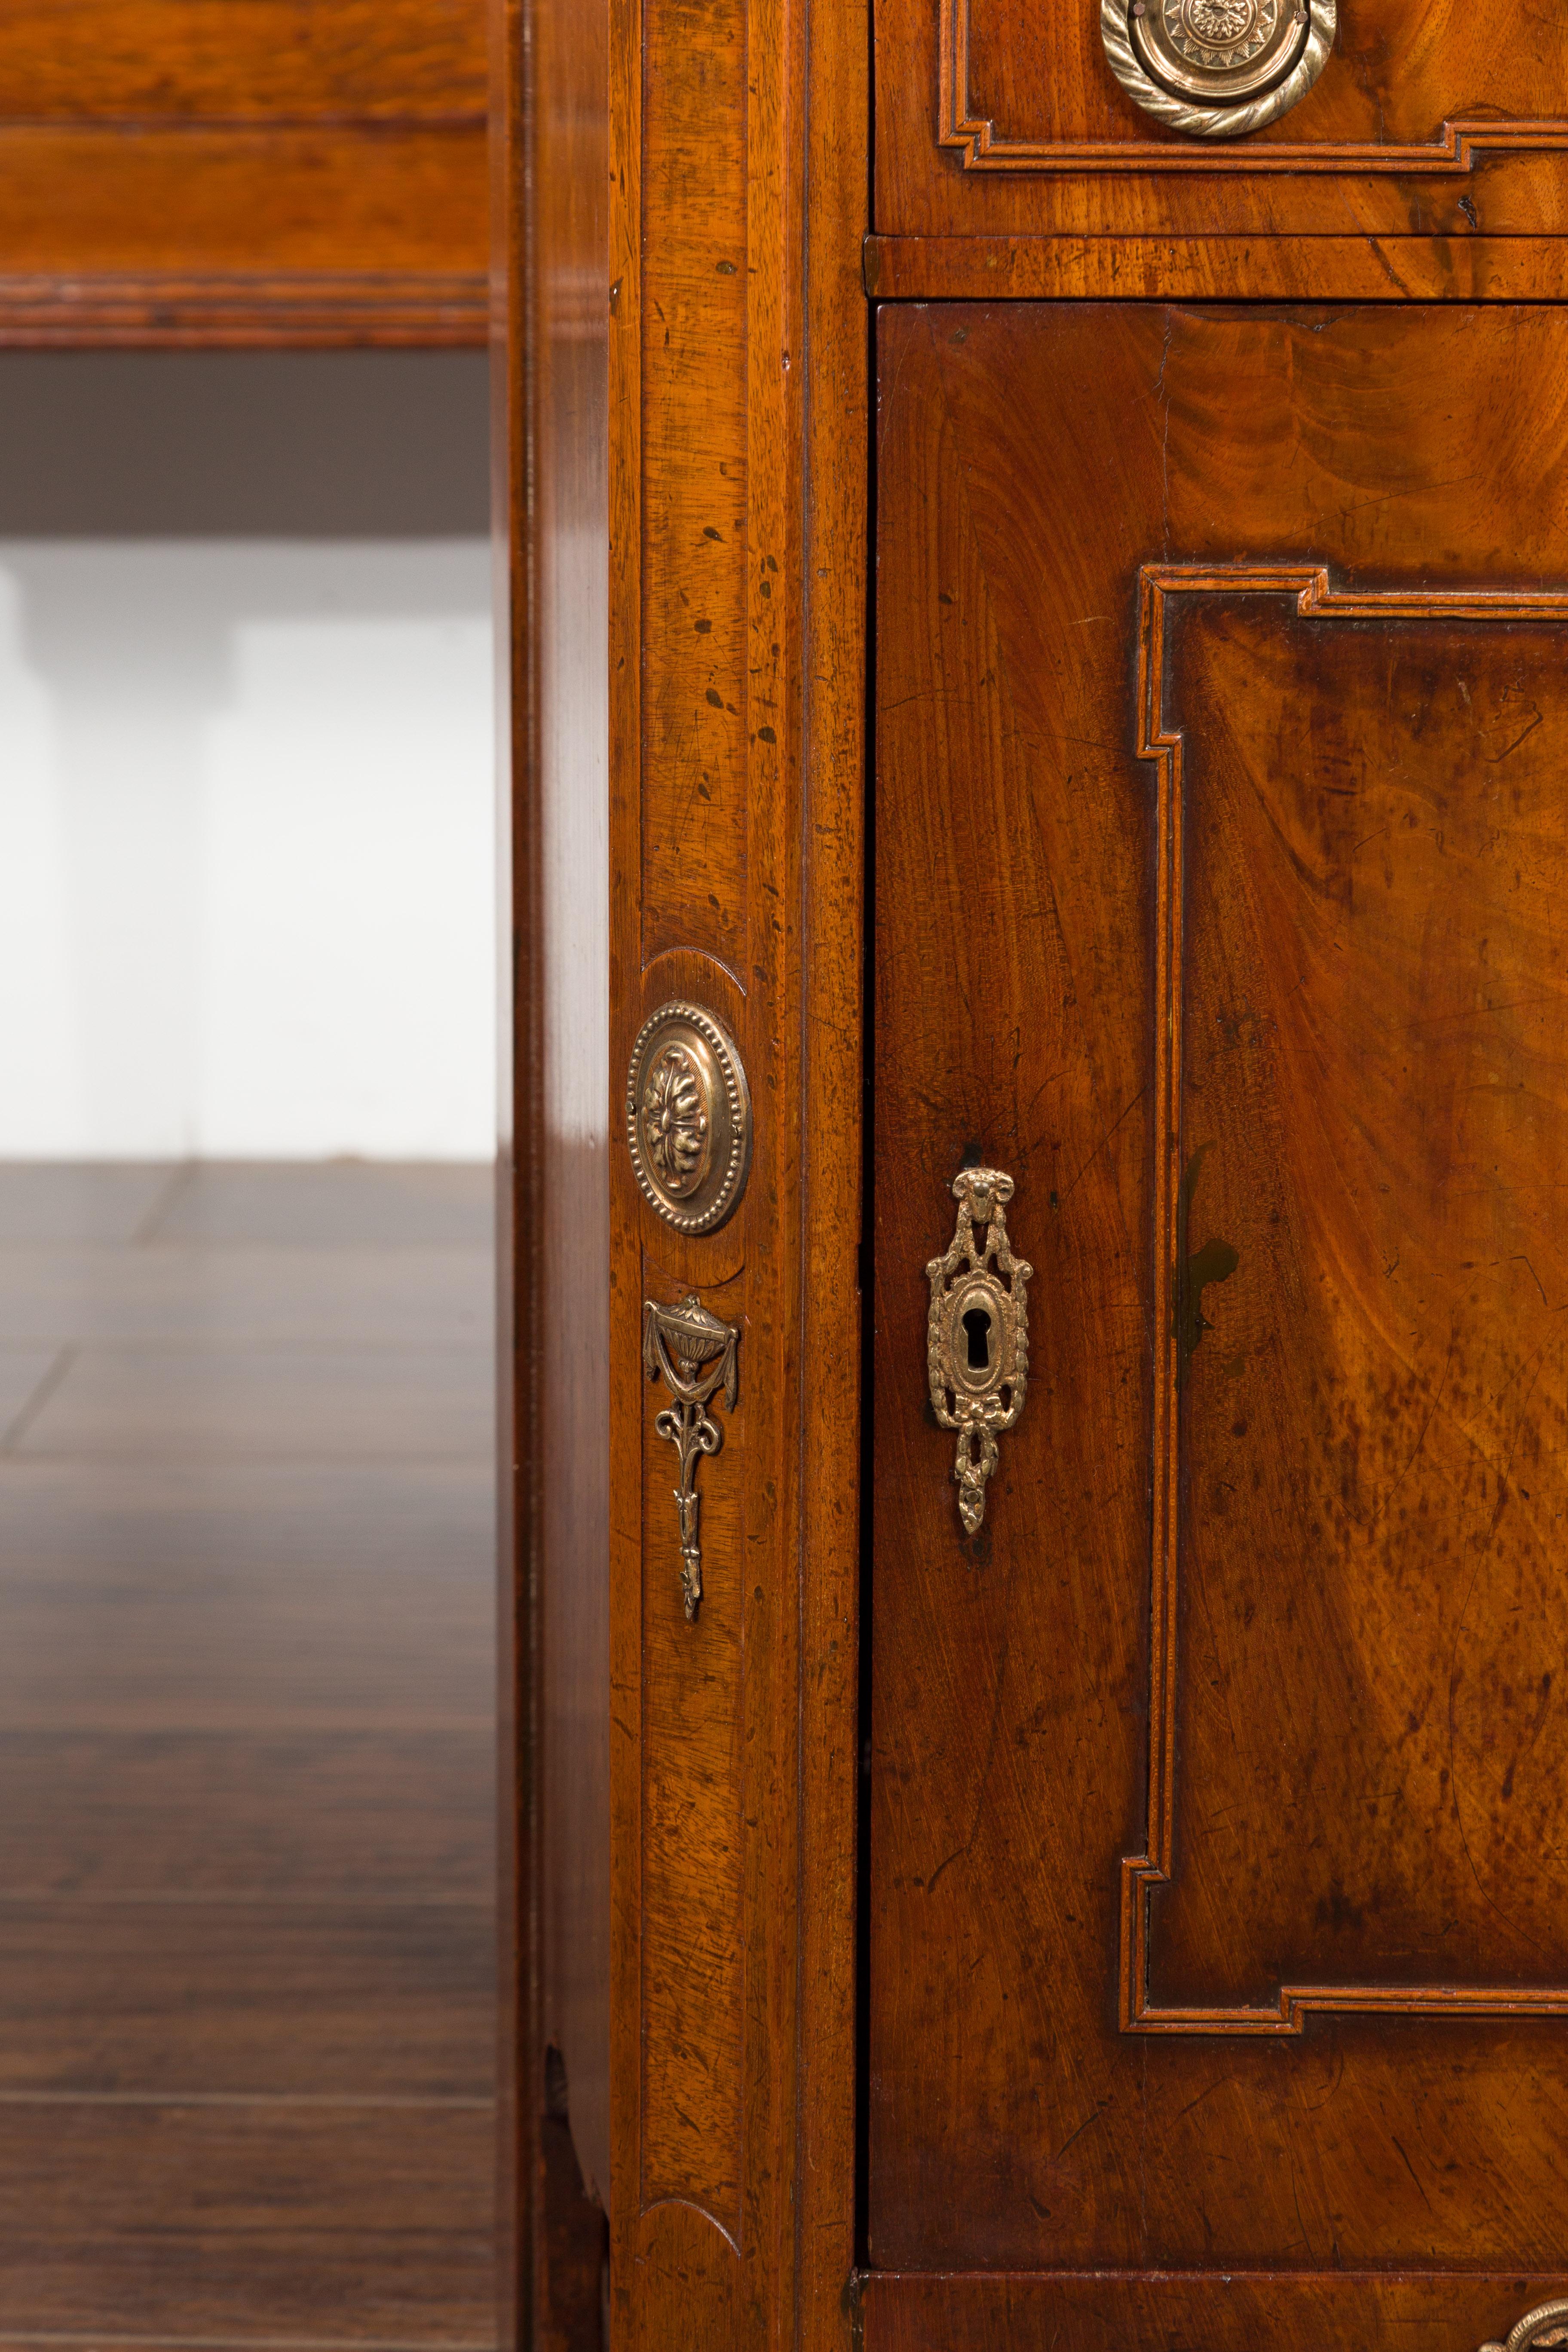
247, 864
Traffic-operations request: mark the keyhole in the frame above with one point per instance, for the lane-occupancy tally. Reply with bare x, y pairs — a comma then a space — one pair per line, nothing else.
977, 1331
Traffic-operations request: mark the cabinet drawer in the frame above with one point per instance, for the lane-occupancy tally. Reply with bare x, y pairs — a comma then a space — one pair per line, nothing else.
1008, 116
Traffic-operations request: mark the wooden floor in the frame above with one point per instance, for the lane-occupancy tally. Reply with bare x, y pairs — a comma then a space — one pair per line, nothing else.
246, 1904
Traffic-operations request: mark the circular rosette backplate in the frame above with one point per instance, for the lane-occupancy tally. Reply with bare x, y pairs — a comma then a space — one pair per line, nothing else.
1539, 2330
1217, 69
688, 1116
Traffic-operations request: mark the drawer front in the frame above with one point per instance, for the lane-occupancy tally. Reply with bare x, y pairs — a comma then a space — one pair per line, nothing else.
1025, 117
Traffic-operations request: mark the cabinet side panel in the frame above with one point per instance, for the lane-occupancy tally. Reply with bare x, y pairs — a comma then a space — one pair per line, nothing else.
550, 392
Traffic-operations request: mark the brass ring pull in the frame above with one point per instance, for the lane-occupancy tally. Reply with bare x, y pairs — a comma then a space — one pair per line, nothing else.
1544, 2327
1217, 69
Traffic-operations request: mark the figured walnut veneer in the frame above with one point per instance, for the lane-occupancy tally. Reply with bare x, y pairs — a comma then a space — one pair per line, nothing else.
1004, 118
1456, 145
1300, 933
1207, 905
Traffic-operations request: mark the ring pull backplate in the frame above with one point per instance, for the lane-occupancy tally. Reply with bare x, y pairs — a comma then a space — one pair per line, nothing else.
1217, 69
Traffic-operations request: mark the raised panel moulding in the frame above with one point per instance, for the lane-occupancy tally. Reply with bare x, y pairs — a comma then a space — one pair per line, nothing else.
1458, 871
297, 309
986, 147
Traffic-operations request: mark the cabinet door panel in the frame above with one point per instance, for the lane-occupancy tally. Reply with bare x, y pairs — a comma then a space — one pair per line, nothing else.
1218, 1903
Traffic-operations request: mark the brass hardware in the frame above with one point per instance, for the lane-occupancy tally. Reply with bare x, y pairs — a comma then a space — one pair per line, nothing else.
977, 1334
1544, 2326
693, 1352
1217, 69
688, 1116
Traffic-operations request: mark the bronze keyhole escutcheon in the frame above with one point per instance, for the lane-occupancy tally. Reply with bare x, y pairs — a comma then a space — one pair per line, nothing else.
977, 1334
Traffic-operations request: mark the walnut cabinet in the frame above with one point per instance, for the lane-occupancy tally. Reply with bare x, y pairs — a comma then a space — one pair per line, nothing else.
1038, 544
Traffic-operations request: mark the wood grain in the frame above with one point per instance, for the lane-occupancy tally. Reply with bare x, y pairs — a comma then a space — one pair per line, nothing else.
700, 704
290, 1402
835, 570
1385, 100
80, 1201
330, 1207
1289, 2314
394, 1815
25, 1375
987, 122
694, 1993
552, 452
232, 172
299, 310
738, 629
1368, 269
241, 61
268, 1296
247, 1811
93, 202
345, 2224
1452, 1902
217, 1605
1362, 1638
317, 2001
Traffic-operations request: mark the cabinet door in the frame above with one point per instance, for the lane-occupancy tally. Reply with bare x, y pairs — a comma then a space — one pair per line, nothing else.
1218, 1844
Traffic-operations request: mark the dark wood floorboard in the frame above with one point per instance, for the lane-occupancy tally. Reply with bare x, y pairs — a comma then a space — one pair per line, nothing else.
294, 1403
239, 1516
330, 1204
24, 1374
247, 1758
384, 1816
81, 1201
55, 1293
246, 1596
280, 1654
249, 2221
321, 2001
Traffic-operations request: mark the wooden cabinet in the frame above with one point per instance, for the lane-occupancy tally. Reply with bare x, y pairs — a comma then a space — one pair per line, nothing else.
233, 171
1084, 604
